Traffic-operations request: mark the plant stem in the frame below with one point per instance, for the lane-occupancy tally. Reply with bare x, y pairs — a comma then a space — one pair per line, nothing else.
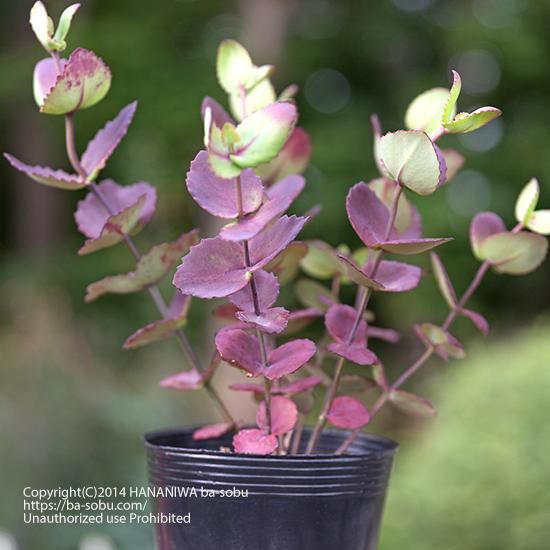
153, 290
428, 352
364, 297
257, 310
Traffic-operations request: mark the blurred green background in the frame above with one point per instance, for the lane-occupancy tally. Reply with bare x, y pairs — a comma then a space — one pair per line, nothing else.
73, 406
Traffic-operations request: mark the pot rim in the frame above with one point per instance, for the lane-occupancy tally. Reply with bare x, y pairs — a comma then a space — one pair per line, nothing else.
366, 445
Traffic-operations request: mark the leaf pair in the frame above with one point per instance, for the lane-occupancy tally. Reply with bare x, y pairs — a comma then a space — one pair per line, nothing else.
339, 322
134, 205
370, 218
242, 349
256, 140
449, 294
535, 220
216, 268
270, 319
94, 159
42, 24
511, 252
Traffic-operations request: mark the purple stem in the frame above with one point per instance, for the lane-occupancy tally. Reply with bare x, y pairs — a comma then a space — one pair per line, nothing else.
364, 297
428, 352
153, 290
257, 310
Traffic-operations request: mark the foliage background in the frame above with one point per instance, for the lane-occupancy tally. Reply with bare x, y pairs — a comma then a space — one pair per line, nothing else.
73, 406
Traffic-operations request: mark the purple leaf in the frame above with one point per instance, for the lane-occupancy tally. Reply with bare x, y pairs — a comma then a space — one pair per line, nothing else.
358, 275
412, 246
484, 225
348, 413
477, 319
91, 216
240, 349
297, 320
47, 176
283, 415
300, 385
356, 354
116, 227
106, 141
369, 217
255, 442
183, 381
248, 387
218, 196
339, 321
386, 334
219, 114
289, 357
367, 214
397, 276
274, 239
213, 269
267, 287
280, 197
44, 77
212, 431
273, 320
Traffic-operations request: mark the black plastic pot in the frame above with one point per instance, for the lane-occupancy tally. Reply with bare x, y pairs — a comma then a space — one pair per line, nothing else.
319, 502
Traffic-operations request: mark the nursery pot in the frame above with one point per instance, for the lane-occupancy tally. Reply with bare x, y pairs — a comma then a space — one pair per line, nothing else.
227, 501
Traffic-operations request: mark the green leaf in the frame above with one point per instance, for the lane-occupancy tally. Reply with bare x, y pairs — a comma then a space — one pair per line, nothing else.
233, 66
527, 201
443, 281
85, 80
41, 24
315, 295
540, 222
244, 104
410, 158
164, 328
263, 134
64, 26
150, 269
444, 343
468, 122
514, 253
426, 111
116, 228
354, 274
450, 107
320, 261
379, 376
411, 403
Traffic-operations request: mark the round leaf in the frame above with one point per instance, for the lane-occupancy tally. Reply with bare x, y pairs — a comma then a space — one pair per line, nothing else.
411, 159
514, 253
426, 111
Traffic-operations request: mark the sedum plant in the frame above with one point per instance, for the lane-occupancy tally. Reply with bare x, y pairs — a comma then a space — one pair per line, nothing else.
248, 175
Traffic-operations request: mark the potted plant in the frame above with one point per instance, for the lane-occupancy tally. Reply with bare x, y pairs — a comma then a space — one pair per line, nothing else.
275, 483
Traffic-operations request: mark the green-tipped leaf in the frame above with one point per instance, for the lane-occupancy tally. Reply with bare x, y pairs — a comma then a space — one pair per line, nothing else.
527, 201
426, 111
